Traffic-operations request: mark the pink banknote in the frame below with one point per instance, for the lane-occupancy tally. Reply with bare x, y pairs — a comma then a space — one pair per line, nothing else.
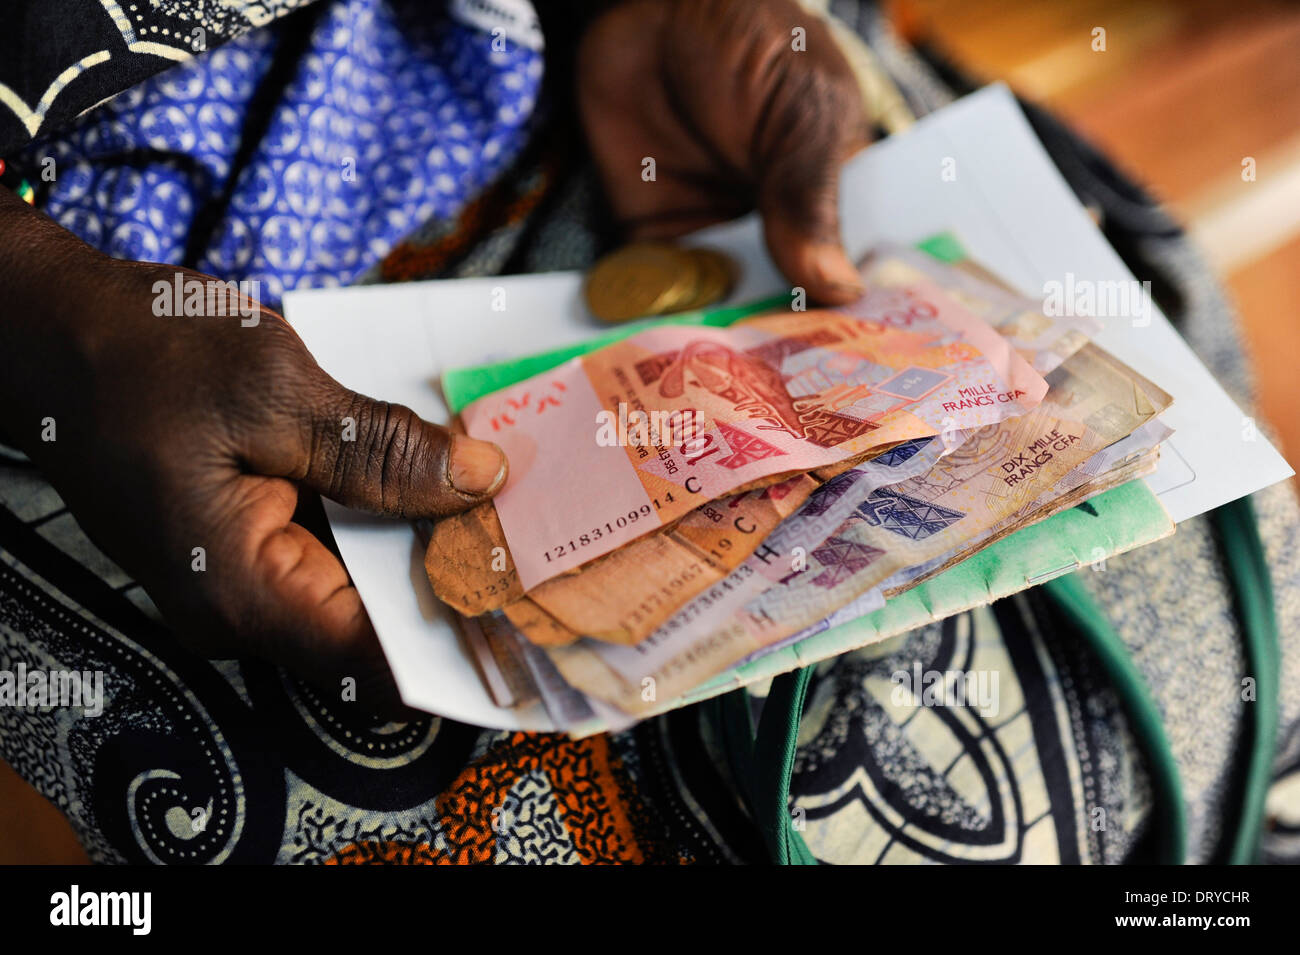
621, 441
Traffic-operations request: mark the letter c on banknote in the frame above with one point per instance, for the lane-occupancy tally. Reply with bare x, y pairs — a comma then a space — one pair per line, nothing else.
693, 490
743, 530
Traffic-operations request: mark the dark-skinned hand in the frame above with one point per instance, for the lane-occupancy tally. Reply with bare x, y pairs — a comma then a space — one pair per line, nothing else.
735, 117
176, 433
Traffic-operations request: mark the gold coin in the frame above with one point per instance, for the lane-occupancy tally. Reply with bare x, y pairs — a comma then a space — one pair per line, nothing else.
645, 278
696, 288
717, 275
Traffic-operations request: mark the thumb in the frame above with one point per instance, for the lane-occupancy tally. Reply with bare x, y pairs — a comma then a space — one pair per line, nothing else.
382, 457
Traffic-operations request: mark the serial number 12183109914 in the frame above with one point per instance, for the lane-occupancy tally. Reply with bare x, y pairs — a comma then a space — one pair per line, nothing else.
609, 528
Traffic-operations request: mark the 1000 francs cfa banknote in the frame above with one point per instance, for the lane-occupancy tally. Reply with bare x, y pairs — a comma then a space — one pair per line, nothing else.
721, 408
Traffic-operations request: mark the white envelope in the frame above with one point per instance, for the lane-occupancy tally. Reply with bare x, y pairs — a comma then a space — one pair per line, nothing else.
975, 169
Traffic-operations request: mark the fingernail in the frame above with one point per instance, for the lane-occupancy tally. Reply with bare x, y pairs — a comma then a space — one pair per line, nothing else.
477, 467
833, 267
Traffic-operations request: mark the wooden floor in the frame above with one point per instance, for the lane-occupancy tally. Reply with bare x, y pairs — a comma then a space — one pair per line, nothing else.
32, 831
1185, 92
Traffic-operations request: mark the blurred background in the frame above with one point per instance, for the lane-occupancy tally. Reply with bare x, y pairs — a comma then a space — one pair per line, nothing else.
1183, 93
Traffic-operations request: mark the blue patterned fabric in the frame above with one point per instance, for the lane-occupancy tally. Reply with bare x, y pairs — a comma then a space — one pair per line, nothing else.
394, 115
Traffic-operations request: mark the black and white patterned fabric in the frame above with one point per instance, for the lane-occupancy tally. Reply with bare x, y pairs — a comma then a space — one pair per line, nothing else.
59, 58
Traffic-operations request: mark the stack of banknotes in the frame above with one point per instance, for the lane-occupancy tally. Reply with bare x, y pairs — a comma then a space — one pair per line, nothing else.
691, 497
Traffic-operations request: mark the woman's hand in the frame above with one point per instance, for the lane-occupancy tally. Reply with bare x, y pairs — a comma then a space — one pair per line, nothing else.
178, 433
738, 109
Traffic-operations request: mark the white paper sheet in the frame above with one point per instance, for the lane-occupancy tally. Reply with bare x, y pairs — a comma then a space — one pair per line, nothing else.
1004, 199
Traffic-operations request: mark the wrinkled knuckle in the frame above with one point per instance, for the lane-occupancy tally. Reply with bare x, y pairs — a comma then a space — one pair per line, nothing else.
392, 453
403, 454
349, 465
390, 456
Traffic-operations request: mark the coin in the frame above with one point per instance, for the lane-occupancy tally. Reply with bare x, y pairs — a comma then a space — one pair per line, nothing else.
717, 275
645, 278
656, 278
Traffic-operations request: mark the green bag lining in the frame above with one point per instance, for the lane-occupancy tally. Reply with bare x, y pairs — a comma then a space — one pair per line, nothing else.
1144, 716
1247, 569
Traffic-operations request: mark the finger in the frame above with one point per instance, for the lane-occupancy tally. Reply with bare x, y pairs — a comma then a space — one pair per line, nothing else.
291, 601
385, 458
813, 128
